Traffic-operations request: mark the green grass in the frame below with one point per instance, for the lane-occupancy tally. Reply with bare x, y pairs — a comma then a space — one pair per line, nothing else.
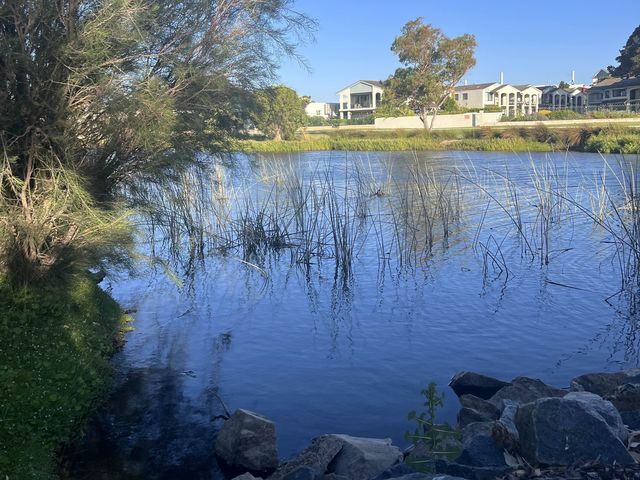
606, 142
395, 144
54, 369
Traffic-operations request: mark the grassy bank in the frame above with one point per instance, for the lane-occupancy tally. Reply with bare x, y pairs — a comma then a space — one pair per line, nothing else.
540, 138
54, 368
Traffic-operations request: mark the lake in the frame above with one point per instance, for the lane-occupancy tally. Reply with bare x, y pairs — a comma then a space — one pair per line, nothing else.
333, 287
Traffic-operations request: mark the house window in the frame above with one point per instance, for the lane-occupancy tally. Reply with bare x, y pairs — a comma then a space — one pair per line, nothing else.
621, 92
607, 94
465, 96
489, 97
457, 97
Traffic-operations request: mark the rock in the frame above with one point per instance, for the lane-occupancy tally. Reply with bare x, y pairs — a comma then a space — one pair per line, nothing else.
471, 383
561, 431
318, 455
399, 470
248, 441
504, 431
304, 473
333, 476
605, 409
626, 397
604, 384
246, 476
364, 458
479, 448
426, 476
525, 390
475, 409
631, 419
456, 470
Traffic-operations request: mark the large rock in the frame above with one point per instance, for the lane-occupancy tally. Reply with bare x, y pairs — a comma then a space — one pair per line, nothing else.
475, 409
304, 473
504, 431
525, 390
605, 409
479, 448
626, 397
398, 470
426, 476
248, 441
364, 458
562, 431
471, 383
457, 470
604, 384
318, 455
631, 419
246, 476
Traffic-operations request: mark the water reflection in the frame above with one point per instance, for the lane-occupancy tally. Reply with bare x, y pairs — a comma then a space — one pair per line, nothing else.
332, 288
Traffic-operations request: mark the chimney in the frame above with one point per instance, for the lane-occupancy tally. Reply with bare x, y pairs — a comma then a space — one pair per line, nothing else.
501, 78
573, 77
465, 82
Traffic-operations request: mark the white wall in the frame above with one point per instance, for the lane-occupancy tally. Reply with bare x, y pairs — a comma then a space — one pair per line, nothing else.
462, 120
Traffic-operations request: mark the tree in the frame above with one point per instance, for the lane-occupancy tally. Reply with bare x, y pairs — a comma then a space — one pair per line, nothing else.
433, 65
279, 112
564, 85
629, 58
97, 95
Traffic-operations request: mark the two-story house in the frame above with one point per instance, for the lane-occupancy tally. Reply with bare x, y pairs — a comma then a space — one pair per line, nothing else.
616, 94
512, 99
360, 99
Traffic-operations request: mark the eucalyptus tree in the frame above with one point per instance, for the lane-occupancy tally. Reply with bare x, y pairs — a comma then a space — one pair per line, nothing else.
98, 94
629, 58
432, 65
279, 112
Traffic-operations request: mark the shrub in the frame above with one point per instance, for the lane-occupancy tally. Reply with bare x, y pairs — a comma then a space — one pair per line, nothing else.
564, 115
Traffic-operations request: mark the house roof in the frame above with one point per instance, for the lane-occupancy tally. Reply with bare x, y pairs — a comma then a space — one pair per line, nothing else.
524, 87
373, 83
602, 74
474, 86
614, 82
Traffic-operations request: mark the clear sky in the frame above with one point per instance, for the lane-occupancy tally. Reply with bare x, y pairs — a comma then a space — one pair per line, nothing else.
534, 42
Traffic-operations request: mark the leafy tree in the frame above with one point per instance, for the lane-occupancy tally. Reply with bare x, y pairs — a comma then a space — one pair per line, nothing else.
629, 58
98, 95
433, 65
563, 85
279, 112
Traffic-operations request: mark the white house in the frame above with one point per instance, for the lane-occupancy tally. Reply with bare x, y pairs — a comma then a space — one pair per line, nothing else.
574, 97
512, 99
321, 109
360, 99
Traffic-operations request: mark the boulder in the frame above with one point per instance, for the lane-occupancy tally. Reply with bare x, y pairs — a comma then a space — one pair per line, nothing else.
603, 408
479, 448
626, 397
364, 458
304, 473
318, 455
525, 390
398, 470
631, 419
426, 476
475, 409
562, 431
246, 476
457, 470
504, 430
471, 383
248, 441
604, 384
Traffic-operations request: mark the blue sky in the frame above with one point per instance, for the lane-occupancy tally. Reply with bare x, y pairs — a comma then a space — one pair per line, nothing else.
532, 42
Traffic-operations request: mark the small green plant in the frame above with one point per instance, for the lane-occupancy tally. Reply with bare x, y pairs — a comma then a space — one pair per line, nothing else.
431, 440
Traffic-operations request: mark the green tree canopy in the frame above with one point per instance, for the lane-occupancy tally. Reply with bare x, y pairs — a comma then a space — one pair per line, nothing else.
115, 91
629, 58
433, 65
279, 112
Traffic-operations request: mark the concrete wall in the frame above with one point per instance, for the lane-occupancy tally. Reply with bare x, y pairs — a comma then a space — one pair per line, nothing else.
462, 120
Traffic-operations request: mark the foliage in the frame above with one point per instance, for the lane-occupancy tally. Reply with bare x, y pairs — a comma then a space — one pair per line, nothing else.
606, 142
117, 92
564, 85
279, 112
629, 58
564, 115
431, 435
432, 65
54, 368
390, 107
449, 105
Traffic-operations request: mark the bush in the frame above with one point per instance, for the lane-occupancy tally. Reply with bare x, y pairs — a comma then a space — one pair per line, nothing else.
612, 143
564, 115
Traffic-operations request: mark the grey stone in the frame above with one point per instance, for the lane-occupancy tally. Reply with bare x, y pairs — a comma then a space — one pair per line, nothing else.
525, 390
474, 430
333, 476
248, 441
604, 384
603, 408
469, 472
475, 409
318, 455
504, 430
364, 458
631, 419
396, 471
478, 446
626, 397
561, 431
304, 473
471, 383
246, 476
427, 476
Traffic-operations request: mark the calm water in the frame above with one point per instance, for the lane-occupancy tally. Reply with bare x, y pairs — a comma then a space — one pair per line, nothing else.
320, 353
